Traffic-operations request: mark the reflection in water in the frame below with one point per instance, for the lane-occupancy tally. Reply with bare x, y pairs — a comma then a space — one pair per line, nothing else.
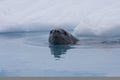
58, 50
2, 73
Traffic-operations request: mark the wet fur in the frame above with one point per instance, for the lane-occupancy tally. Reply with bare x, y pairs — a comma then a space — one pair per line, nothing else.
60, 36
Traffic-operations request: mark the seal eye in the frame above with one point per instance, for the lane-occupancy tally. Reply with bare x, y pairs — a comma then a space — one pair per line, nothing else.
58, 31
51, 32
65, 33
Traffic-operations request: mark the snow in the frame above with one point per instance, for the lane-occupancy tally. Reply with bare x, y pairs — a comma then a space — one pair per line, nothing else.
89, 17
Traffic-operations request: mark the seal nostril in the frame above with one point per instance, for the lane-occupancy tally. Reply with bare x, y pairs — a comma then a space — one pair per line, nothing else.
58, 31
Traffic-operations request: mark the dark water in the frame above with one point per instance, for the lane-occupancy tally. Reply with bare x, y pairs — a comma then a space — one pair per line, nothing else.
29, 54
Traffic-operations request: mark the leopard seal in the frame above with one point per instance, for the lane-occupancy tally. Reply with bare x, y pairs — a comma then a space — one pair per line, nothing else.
60, 36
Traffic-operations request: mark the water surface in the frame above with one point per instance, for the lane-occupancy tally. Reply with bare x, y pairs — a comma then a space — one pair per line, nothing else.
29, 54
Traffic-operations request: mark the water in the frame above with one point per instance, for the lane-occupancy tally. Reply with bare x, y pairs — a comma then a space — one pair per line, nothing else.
29, 54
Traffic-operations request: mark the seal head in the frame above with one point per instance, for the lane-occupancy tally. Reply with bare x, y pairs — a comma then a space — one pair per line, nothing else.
61, 37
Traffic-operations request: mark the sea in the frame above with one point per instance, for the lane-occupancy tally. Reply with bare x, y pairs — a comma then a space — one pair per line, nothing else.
30, 54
